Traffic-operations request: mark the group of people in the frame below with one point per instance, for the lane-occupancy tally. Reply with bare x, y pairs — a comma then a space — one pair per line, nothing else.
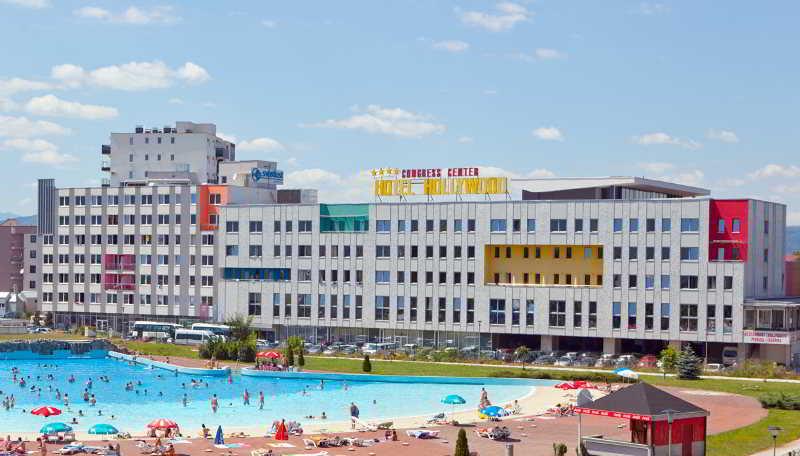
15, 446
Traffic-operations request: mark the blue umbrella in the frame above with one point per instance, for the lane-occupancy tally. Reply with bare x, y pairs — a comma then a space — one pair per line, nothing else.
55, 428
219, 439
494, 411
103, 429
453, 399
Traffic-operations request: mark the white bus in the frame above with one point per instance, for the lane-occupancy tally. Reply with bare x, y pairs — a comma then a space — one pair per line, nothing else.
153, 330
192, 337
218, 330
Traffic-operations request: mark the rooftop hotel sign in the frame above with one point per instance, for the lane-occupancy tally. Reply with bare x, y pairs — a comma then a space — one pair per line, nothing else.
435, 182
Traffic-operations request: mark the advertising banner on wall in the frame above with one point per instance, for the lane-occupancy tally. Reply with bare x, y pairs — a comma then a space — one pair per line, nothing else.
752, 336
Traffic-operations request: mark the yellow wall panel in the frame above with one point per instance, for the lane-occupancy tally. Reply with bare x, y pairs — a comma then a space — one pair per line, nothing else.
555, 264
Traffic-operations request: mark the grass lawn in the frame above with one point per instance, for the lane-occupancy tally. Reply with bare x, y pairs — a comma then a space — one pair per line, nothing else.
53, 335
159, 349
750, 439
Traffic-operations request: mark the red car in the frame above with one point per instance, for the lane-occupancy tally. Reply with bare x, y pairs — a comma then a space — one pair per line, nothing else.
648, 361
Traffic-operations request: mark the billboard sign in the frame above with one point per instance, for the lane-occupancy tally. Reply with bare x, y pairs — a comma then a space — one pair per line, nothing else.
272, 176
436, 182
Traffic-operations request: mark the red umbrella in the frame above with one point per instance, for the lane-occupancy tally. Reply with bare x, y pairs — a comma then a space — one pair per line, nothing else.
268, 354
46, 411
163, 423
281, 433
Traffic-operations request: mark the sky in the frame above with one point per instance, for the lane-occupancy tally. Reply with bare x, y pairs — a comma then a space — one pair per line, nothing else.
701, 93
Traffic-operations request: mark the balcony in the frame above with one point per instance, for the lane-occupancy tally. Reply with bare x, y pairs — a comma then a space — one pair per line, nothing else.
105, 182
124, 262
105, 149
119, 282
105, 165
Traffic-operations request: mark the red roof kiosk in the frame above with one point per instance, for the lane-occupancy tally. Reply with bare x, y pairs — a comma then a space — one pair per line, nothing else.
661, 424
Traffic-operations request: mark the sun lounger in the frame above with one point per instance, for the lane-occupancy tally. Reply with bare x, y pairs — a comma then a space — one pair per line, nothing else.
439, 418
73, 448
363, 425
422, 434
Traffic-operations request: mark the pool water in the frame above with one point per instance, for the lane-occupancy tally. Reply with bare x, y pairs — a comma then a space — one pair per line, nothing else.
161, 392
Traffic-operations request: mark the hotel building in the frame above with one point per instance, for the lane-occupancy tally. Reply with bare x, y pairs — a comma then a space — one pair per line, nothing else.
181, 231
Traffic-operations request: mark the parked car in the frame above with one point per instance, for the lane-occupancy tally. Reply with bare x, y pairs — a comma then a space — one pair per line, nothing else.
585, 361
648, 361
545, 360
314, 349
625, 361
348, 349
564, 361
606, 360
715, 367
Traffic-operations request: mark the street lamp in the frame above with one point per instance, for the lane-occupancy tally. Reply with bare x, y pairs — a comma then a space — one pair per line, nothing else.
479, 340
774, 431
670, 418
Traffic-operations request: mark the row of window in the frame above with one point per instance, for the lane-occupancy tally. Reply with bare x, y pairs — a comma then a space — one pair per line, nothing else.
147, 140
687, 282
257, 226
126, 219
127, 298
127, 239
113, 200
144, 259
144, 279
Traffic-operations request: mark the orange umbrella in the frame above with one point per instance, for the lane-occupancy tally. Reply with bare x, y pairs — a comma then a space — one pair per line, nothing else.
281, 433
163, 423
46, 411
268, 354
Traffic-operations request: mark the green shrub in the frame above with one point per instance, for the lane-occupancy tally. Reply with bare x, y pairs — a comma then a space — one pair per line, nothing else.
301, 360
669, 358
782, 400
462, 447
289, 356
366, 366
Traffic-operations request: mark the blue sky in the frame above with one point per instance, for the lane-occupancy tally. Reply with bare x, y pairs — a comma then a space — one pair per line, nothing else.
704, 93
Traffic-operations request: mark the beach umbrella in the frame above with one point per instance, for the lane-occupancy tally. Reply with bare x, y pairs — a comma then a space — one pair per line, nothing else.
494, 411
281, 433
46, 411
219, 439
453, 399
162, 423
268, 354
55, 428
103, 429
625, 372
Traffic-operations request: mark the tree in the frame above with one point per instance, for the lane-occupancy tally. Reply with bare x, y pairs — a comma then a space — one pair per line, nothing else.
669, 357
521, 353
688, 364
241, 327
462, 446
301, 360
289, 356
366, 366
296, 342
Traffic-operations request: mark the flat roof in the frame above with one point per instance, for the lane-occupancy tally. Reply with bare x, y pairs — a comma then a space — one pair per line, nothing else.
553, 184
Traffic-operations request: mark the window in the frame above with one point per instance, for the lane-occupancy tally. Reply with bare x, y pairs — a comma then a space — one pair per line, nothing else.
727, 319
665, 316
690, 225
231, 250
428, 309
382, 276
688, 317
456, 310
382, 251
633, 253
558, 225
593, 225
616, 315
471, 225
690, 253
711, 318
592, 314
648, 316
688, 282
578, 225
497, 225
587, 252
633, 281
649, 281
530, 312
381, 308
412, 309
617, 225
531, 225
766, 226
711, 282
736, 226
617, 253
727, 283
399, 303
232, 227
443, 225
256, 226
515, 312
458, 225
633, 225
470, 310
665, 253
577, 309
254, 304
401, 226
429, 225
497, 311
721, 226
383, 226
616, 280
288, 226
557, 313
649, 253
631, 315
304, 306
255, 251
650, 225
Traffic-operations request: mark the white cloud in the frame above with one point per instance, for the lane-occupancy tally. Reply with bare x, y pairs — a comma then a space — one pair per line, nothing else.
227, 137
133, 15
693, 177
260, 145
549, 54
451, 46
726, 136
788, 189
33, 4
650, 139
7, 105
175, 100
22, 127
774, 170
387, 121
50, 105
652, 8
506, 17
16, 85
132, 76
333, 188
548, 134
656, 167
465, 139
38, 151
269, 23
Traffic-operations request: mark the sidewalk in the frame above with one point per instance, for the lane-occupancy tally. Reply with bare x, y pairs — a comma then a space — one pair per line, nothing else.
781, 449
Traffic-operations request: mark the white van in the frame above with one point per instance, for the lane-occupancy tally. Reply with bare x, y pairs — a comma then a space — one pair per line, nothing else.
192, 336
730, 355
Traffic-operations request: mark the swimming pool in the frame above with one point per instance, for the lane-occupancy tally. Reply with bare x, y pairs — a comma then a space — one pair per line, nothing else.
161, 392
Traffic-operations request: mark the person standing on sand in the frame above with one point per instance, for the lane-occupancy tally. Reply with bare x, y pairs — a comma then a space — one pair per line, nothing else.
354, 412
214, 403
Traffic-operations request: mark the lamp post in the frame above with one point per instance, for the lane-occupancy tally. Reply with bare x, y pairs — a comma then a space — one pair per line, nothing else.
774, 431
670, 418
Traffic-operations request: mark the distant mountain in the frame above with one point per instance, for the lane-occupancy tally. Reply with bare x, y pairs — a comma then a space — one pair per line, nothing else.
792, 239
22, 219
